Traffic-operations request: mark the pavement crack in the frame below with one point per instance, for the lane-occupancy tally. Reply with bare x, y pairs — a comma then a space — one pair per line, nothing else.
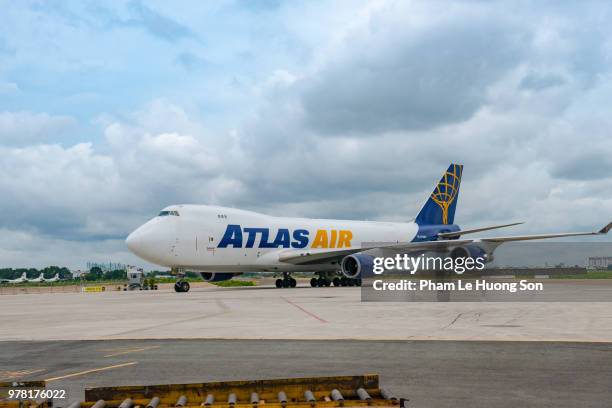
454, 320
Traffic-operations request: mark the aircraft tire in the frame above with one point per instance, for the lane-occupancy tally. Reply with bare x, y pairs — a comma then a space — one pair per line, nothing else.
314, 282
336, 281
279, 283
178, 287
185, 286
327, 283
292, 283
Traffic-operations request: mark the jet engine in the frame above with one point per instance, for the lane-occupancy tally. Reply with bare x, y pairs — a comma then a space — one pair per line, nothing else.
471, 251
353, 266
217, 276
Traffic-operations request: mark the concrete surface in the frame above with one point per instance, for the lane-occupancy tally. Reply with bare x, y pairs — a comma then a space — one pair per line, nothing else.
430, 373
299, 313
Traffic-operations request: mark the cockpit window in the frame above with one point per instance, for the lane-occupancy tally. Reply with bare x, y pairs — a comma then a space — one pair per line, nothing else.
167, 213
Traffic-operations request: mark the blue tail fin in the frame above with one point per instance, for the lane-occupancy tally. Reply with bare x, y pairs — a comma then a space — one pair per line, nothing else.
440, 207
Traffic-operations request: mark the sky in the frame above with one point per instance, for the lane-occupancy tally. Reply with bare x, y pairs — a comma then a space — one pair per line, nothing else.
110, 111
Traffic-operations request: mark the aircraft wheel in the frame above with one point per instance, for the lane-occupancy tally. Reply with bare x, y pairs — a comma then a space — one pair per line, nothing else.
185, 286
177, 287
292, 283
358, 282
321, 282
327, 283
314, 282
336, 281
279, 283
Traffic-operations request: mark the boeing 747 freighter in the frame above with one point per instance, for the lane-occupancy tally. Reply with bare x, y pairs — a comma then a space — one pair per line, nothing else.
221, 242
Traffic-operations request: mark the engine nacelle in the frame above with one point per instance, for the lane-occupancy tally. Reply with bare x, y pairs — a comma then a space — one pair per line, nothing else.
217, 276
353, 266
471, 251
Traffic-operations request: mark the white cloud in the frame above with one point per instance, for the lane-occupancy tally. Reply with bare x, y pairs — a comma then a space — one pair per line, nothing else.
361, 128
23, 128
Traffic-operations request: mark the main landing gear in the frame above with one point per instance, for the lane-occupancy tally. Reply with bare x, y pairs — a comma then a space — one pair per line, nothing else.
286, 282
181, 284
323, 279
326, 279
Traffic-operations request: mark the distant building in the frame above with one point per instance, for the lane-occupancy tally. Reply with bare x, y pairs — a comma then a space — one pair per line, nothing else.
599, 262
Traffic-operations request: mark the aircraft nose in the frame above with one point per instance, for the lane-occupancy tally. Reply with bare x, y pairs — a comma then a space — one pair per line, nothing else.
133, 242
150, 242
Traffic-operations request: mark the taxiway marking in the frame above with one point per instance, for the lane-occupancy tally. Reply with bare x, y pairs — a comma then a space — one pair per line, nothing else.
304, 310
93, 370
135, 350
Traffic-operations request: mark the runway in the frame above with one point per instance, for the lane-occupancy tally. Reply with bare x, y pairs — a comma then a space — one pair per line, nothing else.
430, 373
211, 312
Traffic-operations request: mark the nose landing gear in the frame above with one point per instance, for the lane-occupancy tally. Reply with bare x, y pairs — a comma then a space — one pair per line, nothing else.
181, 284
286, 282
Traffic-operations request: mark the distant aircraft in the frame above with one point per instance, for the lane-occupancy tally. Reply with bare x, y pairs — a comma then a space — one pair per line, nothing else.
56, 278
39, 279
23, 278
223, 242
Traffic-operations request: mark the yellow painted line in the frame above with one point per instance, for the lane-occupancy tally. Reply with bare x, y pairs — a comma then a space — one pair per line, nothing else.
131, 351
93, 370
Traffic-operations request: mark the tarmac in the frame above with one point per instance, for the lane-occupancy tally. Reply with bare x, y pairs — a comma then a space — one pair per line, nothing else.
494, 354
429, 373
303, 313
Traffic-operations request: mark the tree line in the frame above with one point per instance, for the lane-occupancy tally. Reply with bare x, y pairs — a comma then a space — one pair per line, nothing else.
94, 274
31, 273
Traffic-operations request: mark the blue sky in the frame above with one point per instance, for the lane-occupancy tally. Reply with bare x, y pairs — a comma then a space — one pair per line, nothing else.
351, 109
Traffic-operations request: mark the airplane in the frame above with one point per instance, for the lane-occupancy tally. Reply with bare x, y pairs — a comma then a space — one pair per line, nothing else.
220, 242
56, 278
23, 278
41, 278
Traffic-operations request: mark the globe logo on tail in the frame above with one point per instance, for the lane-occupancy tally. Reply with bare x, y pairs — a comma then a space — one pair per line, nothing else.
446, 191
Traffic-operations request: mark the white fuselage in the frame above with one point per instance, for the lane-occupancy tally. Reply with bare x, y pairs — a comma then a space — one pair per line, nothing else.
20, 279
39, 279
219, 239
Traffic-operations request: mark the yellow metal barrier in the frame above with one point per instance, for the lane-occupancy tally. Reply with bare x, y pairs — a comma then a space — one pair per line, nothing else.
94, 289
323, 392
310, 392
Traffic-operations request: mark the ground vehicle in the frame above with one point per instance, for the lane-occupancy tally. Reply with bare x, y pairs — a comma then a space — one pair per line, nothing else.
137, 280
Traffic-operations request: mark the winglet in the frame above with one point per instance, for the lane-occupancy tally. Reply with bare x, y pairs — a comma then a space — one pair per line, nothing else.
605, 229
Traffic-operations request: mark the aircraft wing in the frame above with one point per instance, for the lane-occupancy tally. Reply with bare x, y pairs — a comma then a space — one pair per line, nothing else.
310, 256
604, 230
457, 234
